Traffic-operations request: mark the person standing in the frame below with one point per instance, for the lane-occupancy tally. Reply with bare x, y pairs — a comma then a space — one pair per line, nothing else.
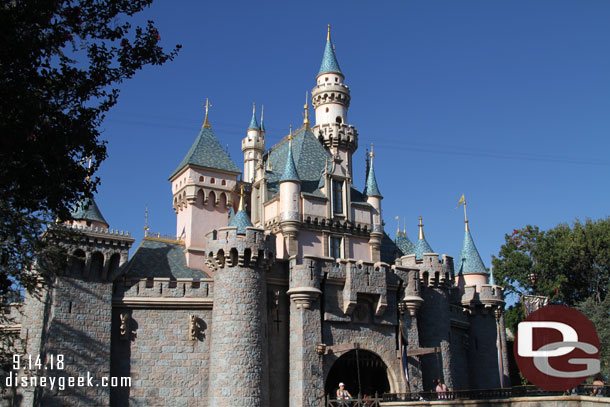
343, 394
441, 389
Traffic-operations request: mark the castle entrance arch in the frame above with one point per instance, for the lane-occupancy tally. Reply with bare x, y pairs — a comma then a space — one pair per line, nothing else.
362, 372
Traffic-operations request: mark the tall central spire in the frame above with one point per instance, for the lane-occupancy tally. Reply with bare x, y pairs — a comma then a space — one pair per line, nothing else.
329, 60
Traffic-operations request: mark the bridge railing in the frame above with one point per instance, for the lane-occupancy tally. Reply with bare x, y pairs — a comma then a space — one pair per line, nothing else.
360, 401
517, 391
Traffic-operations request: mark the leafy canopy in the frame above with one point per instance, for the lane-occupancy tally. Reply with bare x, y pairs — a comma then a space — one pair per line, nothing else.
60, 64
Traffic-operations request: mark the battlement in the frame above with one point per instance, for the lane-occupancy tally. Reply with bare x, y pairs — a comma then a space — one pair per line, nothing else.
488, 296
252, 249
337, 134
253, 142
434, 271
96, 230
329, 92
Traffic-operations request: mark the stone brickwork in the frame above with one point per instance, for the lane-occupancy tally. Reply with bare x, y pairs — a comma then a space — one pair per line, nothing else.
167, 366
238, 364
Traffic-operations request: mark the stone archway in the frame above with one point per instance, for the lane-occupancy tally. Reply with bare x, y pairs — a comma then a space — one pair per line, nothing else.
356, 368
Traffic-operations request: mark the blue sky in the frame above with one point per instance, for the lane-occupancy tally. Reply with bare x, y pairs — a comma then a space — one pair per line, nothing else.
504, 101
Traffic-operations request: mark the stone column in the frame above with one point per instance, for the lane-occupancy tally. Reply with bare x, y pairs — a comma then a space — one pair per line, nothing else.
504, 355
409, 327
237, 349
306, 382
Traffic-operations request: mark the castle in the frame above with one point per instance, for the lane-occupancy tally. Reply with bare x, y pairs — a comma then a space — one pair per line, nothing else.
277, 286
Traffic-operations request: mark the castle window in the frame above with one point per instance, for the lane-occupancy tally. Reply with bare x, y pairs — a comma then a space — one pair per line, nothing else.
338, 197
223, 182
200, 179
212, 181
339, 119
335, 247
326, 79
336, 79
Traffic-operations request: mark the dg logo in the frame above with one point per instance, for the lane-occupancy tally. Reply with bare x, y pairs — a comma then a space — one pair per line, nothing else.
557, 348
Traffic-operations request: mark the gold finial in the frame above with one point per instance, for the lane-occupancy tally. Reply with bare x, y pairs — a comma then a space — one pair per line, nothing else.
460, 202
371, 154
328, 34
404, 225
89, 169
421, 229
207, 106
253, 108
262, 111
146, 228
306, 107
242, 205
397, 225
290, 134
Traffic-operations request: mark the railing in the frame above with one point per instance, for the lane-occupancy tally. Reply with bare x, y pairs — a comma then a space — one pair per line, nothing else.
366, 401
517, 391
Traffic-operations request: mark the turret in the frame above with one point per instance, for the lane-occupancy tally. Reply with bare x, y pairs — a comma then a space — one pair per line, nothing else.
470, 267
373, 198
253, 147
422, 245
331, 99
202, 187
290, 201
87, 214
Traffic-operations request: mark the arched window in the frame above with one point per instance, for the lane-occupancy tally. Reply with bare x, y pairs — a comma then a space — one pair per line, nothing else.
339, 119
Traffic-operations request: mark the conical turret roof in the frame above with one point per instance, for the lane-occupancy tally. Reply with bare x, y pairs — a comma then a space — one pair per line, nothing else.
253, 124
87, 209
290, 171
207, 152
422, 246
470, 261
404, 244
241, 219
371, 188
329, 59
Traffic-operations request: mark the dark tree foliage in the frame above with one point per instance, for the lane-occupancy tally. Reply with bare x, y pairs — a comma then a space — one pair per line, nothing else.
60, 64
571, 266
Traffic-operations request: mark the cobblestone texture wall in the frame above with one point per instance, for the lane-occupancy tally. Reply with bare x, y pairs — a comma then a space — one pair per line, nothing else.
435, 330
167, 367
483, 351
79, 329
278, 317
237, 366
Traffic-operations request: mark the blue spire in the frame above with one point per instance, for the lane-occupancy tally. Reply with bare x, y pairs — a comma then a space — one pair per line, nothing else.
253, 123
290, 170
241, 219
371, 188
470, 261
404, 244
329, 60
422, 245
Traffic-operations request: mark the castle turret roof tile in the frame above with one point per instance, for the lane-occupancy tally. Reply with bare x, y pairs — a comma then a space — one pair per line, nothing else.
87, 209
470, 261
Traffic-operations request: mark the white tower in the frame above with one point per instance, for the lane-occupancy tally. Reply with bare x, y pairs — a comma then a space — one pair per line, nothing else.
253, 147
330, 99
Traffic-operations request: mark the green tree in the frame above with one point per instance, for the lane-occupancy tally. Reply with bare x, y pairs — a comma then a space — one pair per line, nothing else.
60, 65
570, 265
599, 314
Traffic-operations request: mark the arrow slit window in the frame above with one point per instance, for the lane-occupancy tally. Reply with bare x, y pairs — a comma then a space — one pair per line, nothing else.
338, 197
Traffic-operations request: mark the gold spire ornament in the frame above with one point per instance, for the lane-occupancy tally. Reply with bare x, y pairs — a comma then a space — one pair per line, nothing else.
89, 169
262, 111
421, 229
146, 228
371, 154
253, 108
460, 202
397, 225
207, 106
306, 107
328, 34
290, 134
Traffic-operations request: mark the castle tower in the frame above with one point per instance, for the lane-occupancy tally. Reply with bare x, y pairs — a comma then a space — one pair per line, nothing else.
238, 375
471, 270
253, 147
60, 321
373, 197
202, 188
331, 99
290, 202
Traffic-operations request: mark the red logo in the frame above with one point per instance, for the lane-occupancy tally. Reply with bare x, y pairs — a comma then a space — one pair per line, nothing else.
556, 348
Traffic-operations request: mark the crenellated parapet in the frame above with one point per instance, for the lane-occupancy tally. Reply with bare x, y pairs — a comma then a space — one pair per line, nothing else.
365, 278
490, 297
337, 135
433, 271
252, 249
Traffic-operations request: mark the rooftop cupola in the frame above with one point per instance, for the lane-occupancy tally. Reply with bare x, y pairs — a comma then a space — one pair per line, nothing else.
422, 245
290, 201
469, 263
241, 220
403, 242
371, 188
373, 198
253, 147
